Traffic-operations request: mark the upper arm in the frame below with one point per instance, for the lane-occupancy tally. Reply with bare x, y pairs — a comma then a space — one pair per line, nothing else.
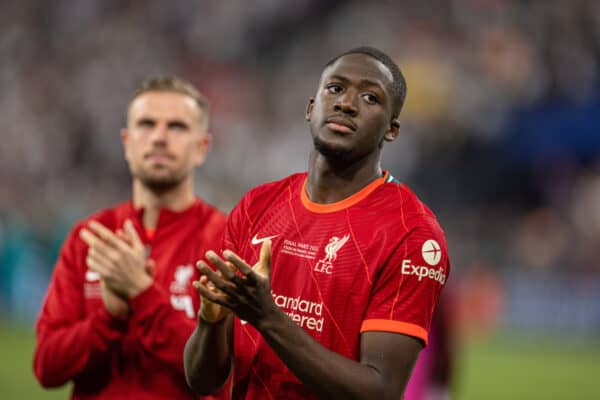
64, 299
406, 290
392, 356
231, 233
396, 325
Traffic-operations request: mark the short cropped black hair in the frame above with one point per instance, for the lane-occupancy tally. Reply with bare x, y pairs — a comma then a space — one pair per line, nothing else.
398, 87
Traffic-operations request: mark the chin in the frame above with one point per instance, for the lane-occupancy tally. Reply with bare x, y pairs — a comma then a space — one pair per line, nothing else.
159, 185
332, 151
159, 182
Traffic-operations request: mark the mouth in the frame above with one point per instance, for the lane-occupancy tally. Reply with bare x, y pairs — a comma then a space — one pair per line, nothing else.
340, 124
158, 157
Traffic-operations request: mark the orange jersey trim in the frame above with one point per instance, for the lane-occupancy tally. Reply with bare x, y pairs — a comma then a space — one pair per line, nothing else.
386, 325
342, 204
149, 233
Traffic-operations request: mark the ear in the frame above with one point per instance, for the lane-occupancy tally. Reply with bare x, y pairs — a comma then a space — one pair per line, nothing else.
309, 108
393, 131
202, 147
124, 141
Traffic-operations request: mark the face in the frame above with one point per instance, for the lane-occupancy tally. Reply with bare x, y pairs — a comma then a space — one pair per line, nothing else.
351, 114
164, 139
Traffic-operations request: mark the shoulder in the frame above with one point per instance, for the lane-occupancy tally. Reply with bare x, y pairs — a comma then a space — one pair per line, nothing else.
269, 192
208, 221
209, 212
111, 217
400, 203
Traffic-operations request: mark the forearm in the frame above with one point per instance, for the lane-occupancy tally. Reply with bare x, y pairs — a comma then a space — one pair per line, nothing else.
327, 373
64, 353
208, 357
160, 329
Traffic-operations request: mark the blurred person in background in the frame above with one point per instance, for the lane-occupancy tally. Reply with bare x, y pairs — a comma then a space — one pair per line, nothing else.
432, 375
358, 260
120, 305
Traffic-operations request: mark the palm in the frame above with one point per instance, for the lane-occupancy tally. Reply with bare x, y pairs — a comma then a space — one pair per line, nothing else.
210, 311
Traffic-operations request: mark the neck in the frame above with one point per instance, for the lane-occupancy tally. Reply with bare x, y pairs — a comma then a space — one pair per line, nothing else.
330, 182
177, 198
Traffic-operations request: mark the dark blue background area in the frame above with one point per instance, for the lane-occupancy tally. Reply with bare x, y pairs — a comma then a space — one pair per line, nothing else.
552, 129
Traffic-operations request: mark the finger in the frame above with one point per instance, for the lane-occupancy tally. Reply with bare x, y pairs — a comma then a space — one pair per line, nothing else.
263, 267
98, 245
107, 236
237, 262
88, 237
202, 280
100, 259
216, 279
123, 236
135, 238
205, 282
223, 266
99, 267
150, 266
207, 293
237, 278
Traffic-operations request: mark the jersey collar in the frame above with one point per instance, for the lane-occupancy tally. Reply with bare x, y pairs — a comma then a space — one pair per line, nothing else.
342, 204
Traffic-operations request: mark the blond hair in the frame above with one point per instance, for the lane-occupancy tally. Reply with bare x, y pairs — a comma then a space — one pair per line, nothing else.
177, 85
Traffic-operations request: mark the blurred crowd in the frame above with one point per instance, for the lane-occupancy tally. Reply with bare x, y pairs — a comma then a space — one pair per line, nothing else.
499, 133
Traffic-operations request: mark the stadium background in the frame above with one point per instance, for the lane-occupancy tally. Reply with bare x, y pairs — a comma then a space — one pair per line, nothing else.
500, 136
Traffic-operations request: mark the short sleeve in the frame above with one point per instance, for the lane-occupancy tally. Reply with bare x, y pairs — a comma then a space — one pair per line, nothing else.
406, 289
235, 226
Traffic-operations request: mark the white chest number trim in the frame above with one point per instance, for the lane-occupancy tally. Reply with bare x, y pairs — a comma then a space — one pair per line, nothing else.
183, 303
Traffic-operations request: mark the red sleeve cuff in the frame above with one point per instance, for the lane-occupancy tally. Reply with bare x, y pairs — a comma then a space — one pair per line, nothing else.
387, 325
147, 301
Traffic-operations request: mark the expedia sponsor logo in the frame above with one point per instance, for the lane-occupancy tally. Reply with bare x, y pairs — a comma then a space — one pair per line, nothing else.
408, 268
432, 252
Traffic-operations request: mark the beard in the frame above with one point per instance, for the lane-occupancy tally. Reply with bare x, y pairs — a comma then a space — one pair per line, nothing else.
159, 183
331, 152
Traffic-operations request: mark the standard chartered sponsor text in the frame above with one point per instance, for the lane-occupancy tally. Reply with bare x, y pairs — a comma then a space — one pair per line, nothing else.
307, 314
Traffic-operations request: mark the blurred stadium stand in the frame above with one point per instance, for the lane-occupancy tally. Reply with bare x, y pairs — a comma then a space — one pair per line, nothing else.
500, 133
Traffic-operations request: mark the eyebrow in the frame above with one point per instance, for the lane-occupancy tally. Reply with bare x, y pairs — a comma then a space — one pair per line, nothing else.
143, 120
171, 123
362, 82
178, 123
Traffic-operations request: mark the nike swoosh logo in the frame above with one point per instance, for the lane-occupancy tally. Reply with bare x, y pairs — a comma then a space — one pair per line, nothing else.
256, 240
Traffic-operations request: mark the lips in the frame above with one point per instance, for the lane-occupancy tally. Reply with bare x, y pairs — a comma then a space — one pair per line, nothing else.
158, 157
340, 124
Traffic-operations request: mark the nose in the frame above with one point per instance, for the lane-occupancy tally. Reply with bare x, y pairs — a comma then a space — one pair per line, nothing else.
159, 134
346, 103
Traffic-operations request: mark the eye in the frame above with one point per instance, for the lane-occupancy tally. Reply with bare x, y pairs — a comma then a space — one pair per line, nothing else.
370, 98
146, 123
334, 88
178, 126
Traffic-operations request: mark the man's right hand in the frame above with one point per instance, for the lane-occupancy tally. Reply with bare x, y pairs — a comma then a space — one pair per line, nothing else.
209, 312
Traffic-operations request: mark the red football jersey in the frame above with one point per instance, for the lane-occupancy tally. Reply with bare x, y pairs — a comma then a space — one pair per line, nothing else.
136, 358
375, 261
